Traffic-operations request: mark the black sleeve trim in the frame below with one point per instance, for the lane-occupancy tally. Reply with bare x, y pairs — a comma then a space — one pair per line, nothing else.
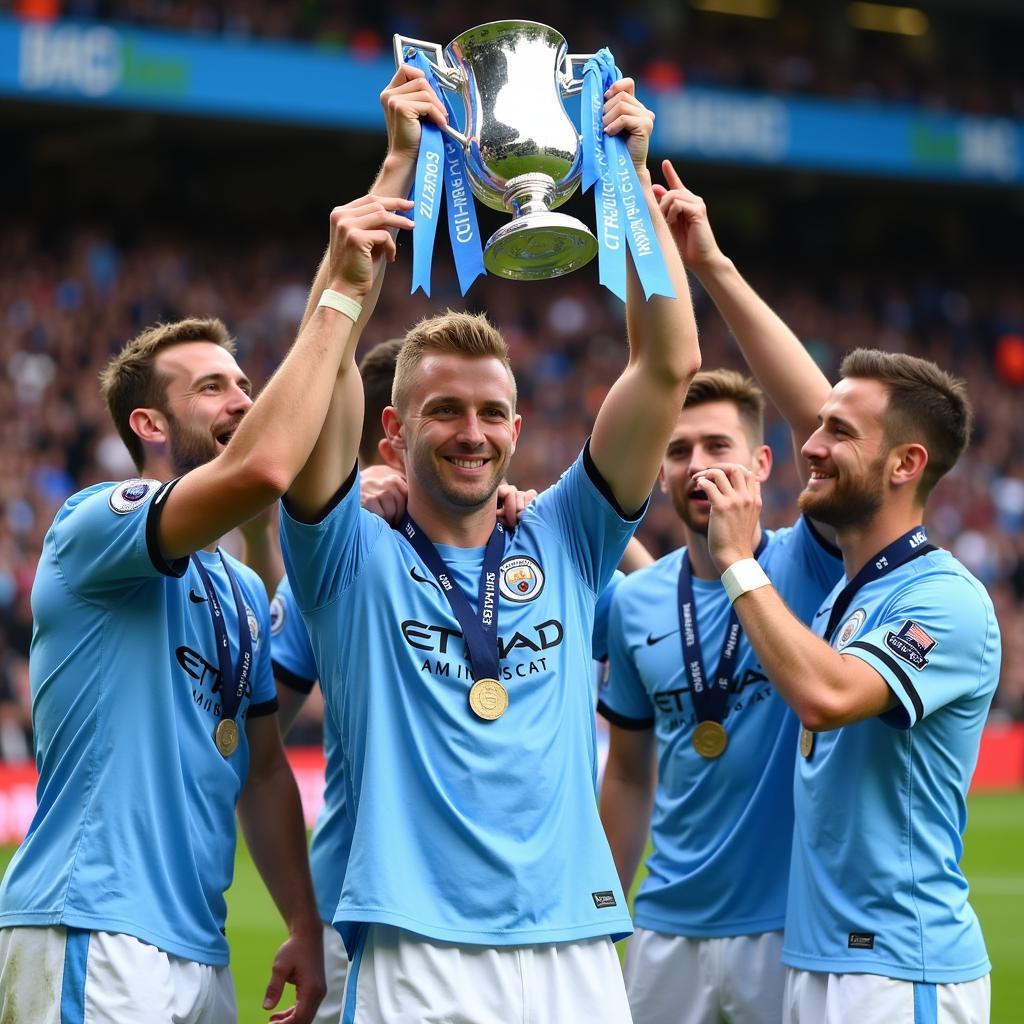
339, 496
606, 492
291, 679
179, 566
633, 724
826, 544
894, 667
267, 707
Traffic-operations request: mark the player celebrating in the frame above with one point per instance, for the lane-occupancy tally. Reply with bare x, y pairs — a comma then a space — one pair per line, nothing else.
684, 681
153, 702
455, 660
893, 688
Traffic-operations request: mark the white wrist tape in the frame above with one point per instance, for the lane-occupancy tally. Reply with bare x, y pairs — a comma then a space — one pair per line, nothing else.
344, 304
742, 576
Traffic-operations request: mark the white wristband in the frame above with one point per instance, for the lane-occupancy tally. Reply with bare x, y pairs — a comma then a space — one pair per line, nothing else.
344, 304
742, 576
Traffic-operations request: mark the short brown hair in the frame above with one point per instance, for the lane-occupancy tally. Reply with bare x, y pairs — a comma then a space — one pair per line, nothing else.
377, 368
730, 386
130, 380
465, 334
926, 405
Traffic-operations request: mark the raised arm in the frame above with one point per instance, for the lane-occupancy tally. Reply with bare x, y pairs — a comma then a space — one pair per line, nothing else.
275, 437
637, 416
776, 357
406, 100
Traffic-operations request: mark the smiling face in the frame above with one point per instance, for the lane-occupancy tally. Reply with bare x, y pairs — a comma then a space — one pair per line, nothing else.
206, 396
706, 435
458, 429
848, 456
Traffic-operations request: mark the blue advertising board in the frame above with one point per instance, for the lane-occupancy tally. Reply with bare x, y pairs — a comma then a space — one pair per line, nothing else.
105, 64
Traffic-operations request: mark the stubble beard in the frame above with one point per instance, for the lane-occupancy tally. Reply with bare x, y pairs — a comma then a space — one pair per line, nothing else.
850, 502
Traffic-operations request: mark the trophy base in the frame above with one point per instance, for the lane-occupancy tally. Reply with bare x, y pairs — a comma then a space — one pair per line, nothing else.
538, 246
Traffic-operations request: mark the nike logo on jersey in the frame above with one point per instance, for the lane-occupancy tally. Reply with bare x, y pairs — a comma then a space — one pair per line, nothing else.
652, 639
195, 598
824, 611
420, 578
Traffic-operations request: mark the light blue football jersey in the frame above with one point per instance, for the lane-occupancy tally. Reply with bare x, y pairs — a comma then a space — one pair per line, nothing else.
135, 826
465, 830
721, 828
876, 886
295, 666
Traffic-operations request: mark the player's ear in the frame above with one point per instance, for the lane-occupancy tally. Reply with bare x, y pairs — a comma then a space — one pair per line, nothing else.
393, 432
389, 456
149, 424
762, 466
912, 459
662, 479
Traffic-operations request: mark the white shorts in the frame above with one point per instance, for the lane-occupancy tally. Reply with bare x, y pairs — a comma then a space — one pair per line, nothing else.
813, 997
69, 976
397, 977
335, 972
672, 979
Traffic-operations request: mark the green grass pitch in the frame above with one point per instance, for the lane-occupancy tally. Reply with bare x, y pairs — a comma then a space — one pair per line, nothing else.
993, 861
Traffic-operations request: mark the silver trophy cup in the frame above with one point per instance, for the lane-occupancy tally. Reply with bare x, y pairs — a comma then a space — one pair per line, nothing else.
522, 152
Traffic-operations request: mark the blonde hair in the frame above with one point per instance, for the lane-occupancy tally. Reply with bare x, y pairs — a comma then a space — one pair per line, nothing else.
470, 335
131, 381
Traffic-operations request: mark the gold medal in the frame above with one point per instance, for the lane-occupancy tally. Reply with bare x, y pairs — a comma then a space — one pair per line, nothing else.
710, 739
806, 742
488, 699
226, 736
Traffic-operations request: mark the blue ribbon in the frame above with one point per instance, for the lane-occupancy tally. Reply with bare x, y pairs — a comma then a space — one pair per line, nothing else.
620, 206
441, 167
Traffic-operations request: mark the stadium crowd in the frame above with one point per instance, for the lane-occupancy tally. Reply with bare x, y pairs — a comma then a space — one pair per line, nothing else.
66, 306
808, 50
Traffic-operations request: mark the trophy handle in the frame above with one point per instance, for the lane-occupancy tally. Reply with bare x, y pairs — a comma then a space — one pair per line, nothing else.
569, 82
448, 77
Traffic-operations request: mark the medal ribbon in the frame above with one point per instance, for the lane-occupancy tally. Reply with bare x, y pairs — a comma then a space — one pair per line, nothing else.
912, 544
619, 201
234, 680
479, 628
709, 702
441, 167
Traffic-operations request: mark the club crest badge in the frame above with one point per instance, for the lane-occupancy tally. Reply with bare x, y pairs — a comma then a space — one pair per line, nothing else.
911, 644
850, 628
520, 579
254, 625
128, 496
277, 614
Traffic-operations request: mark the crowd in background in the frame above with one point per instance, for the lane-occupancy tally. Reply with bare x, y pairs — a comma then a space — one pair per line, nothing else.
66, 307
959, 63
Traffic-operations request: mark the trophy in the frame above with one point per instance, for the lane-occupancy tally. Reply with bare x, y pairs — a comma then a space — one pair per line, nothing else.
522, 153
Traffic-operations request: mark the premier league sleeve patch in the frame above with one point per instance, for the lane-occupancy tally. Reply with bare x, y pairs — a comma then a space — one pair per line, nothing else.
131, 495
911, 644
277, 615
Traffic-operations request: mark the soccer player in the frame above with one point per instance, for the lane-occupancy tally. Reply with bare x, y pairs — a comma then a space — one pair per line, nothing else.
153, 702
892, 687
456, 662
684, 684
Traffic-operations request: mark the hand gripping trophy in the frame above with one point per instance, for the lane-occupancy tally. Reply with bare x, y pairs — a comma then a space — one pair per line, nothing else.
522, 154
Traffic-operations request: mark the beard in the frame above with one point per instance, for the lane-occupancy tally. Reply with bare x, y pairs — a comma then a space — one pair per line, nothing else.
188, 448
465, 495
850, 501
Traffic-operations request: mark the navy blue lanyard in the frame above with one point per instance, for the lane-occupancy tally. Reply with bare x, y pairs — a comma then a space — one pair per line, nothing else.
912, 544
480, 628
234, 680
709, 701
